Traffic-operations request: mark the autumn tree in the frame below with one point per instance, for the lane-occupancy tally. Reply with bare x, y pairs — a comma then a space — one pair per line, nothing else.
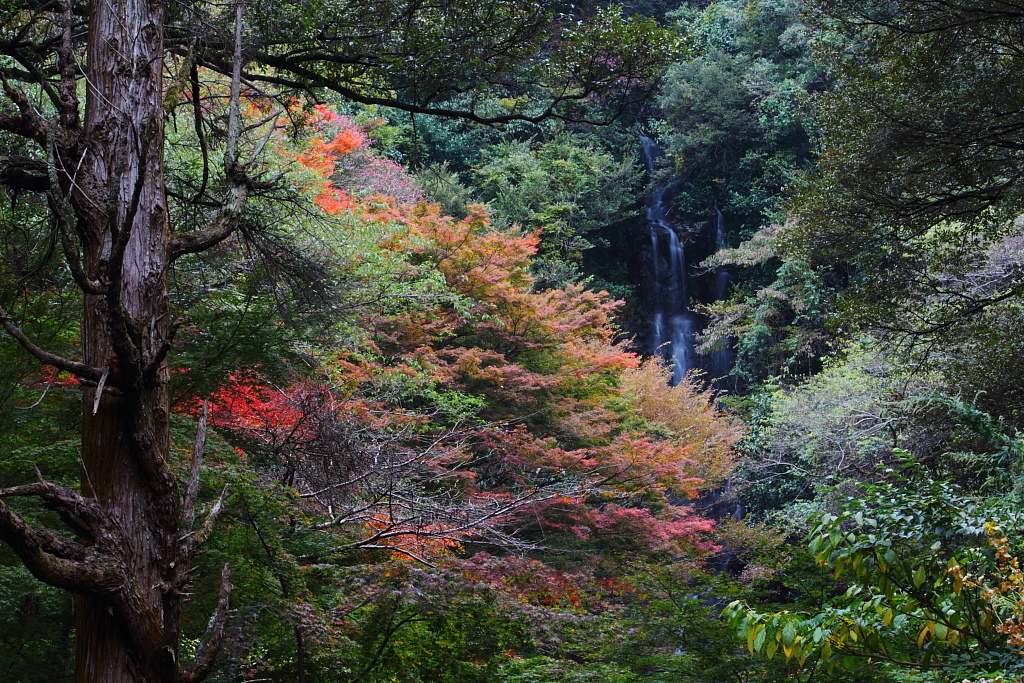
101, 204
508, 390
470, 417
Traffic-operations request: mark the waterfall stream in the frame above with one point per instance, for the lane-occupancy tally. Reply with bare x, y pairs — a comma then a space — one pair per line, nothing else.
723, 359
672, 323
721, 275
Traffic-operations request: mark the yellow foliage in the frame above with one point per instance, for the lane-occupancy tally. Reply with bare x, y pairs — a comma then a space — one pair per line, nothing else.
687, 416
1004, 589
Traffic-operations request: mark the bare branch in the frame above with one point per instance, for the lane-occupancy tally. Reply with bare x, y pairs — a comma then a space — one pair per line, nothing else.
272, 120
234, 110
64, 214
214, 637
400, 551
188, 511
99, 390
197, 116
306, 78
153, 367
200, 536
220, 229
230, 214
22, 126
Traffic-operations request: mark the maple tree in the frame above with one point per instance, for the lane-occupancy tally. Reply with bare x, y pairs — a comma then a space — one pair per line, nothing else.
473, 414
535, 371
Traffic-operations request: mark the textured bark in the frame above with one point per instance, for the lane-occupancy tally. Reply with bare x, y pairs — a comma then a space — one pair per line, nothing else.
123, 225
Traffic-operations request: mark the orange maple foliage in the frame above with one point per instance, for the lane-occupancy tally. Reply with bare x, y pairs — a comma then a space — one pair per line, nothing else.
322, 153
550, 447
341, 152
414, 543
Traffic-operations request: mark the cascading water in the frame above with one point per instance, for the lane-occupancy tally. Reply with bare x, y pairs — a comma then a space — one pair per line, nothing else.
721, 275
672, 324
721, 360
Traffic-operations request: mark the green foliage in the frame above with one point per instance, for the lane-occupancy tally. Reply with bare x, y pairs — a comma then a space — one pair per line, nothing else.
739, 127
778, 317
566, 188
547, 670
36, 627
980, 356
443, 186
918, 183
838, 427
903, 550
421, 58
910, 223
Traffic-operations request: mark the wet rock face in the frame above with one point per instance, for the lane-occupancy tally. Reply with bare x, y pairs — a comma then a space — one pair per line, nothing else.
672, 325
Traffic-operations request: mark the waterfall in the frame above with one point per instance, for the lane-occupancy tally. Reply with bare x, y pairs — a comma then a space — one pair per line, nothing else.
721, 275
721, 360
672, 324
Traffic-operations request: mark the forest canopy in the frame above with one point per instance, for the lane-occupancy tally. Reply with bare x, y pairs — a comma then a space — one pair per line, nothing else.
347, 341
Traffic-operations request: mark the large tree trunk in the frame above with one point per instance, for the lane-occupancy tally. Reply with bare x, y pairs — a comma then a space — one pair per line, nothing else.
125, 432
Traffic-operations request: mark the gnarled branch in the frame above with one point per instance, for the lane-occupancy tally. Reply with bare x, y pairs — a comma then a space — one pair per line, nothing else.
231, 210
47, 358
24, 173
188, 508
52, 558
66, 500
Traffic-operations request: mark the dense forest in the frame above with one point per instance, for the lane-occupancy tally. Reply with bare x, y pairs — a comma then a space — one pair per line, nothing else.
491, 342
